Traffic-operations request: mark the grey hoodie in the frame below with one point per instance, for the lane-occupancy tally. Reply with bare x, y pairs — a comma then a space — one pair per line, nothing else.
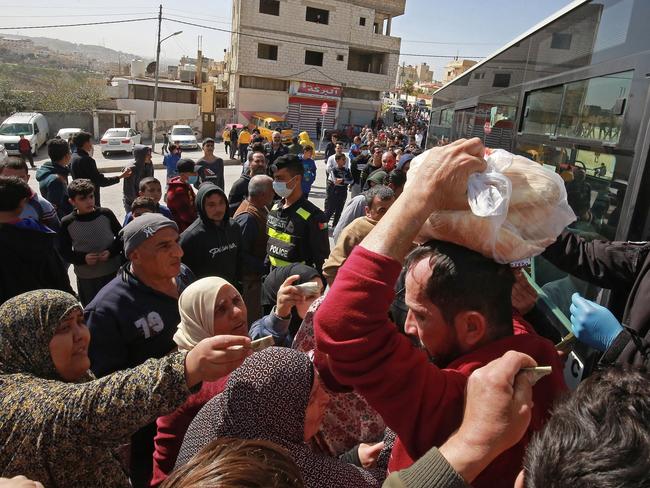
140, 171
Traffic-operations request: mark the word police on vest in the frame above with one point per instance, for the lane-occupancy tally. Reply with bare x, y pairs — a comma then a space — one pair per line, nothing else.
142, 228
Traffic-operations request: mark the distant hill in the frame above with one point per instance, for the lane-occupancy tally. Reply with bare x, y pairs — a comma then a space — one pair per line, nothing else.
99, 53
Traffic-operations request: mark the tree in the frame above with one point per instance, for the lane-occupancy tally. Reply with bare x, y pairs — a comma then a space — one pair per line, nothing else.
408, 88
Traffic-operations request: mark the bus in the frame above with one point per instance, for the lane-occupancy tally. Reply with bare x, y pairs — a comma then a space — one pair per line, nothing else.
572, 93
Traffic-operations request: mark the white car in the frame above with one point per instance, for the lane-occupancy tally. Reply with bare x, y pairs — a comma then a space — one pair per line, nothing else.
119, 139
183, 136
67, 132
29, 124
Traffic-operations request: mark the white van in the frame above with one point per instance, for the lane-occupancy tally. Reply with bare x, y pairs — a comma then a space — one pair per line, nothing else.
32, 125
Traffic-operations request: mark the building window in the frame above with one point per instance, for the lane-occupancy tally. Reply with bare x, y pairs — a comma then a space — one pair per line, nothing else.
360, 94
267, 51
362, 21
317, 15
314, 58
258, 83
339, 57
479, 76
270, 7
561, 40
501, 80
367, 61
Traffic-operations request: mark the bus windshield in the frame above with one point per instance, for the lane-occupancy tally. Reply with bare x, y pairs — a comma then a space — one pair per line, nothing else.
280, 125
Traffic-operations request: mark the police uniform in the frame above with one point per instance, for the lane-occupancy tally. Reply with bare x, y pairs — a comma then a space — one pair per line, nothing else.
297, 234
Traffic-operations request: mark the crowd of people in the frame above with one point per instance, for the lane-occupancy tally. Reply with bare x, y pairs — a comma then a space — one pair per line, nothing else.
390, 363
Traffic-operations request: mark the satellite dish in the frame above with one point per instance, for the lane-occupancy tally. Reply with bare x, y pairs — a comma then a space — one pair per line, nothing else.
151, 68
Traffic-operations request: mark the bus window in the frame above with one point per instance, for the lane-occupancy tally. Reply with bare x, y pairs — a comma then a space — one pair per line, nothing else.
593, 109
542, 111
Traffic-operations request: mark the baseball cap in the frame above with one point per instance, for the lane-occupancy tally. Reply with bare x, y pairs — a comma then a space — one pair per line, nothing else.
142, 228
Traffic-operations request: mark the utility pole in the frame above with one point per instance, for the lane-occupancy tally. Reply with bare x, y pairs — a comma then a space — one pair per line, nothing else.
155, 87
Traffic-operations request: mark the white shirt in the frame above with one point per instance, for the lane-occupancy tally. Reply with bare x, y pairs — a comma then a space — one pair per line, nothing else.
331, 163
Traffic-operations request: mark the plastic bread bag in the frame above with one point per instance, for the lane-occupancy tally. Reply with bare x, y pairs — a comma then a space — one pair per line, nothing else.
514, 210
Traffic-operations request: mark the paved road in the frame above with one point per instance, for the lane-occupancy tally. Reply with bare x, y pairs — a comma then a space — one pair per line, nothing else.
112, 195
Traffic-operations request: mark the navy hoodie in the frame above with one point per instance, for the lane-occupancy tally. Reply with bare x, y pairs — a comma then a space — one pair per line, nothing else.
213, 249
130, 322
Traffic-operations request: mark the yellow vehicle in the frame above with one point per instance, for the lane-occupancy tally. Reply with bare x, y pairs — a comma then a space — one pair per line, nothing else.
267, 124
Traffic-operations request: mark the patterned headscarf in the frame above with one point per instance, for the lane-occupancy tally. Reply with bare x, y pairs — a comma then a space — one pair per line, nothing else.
27, 324
266, 398
196, 308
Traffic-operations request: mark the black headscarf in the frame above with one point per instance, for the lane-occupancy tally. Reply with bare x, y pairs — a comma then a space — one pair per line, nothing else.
274, 281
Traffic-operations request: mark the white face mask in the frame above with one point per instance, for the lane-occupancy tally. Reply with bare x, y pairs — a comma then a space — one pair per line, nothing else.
280, 187
365, 152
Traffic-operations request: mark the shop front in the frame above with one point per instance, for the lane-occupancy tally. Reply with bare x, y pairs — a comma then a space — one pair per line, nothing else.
305, 102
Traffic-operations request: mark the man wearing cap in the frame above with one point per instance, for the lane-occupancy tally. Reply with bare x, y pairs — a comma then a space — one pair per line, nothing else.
134, 317
297, 228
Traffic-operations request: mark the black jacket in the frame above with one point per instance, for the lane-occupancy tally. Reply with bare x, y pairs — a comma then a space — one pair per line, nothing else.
30, 260
238, 193
83, 166
624, 268
140, 170
357, 165
53, 184
298, 234
211, 249
272, 155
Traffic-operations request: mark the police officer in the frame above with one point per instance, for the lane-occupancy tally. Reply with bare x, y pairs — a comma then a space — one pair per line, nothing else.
297, 229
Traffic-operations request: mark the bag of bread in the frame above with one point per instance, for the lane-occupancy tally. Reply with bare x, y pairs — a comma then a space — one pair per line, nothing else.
515, 209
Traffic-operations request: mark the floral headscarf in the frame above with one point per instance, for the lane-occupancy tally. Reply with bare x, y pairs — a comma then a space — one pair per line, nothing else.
266, 398
27, 324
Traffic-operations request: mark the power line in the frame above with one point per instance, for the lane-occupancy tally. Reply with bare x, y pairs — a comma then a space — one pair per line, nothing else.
228, 31
71, 15
24, 27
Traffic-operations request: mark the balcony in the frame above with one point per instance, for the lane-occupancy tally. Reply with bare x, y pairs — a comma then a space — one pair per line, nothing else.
390, 7
368, 62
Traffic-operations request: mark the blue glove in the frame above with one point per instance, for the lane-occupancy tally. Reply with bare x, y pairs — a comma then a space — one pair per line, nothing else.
593, 324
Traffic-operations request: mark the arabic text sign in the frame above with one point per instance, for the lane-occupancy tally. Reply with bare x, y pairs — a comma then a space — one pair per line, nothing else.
318, 89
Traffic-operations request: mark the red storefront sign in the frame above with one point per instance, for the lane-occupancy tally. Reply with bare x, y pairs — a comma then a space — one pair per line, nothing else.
320, 90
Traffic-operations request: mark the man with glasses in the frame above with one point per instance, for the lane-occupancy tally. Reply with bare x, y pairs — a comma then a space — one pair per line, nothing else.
210, 167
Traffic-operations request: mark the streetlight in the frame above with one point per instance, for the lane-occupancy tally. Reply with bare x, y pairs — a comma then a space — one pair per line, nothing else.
155, 87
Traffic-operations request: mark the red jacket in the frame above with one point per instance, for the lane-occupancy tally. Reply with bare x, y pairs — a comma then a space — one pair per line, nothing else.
172, 429
180, 201
420, 402
24, 146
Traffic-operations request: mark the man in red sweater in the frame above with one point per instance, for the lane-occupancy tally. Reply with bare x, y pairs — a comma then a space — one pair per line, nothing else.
459, 309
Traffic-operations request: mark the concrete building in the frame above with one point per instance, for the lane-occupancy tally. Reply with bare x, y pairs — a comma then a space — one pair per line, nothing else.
425, 74
177, 102
456, 67
404, 73
291, 56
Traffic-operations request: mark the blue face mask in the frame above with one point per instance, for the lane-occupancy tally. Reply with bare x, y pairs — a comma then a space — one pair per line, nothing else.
193, 179
280, 187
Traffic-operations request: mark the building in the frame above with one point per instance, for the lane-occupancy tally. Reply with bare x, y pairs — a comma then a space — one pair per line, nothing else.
177, 102
404, 73
456, 67
288, 57
425, 74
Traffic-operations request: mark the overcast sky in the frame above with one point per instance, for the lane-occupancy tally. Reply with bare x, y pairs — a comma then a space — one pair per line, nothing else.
431, 27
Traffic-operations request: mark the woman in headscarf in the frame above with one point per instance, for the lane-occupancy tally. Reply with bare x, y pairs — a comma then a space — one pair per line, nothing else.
276, 395
285, 305
208, 307
348, 420
58, 425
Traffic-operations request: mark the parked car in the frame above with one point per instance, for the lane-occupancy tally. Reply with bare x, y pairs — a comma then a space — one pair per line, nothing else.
183, 136
66, 133
32, 125
119, 139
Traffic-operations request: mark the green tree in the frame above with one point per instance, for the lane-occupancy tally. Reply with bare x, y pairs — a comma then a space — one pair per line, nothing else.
408, 88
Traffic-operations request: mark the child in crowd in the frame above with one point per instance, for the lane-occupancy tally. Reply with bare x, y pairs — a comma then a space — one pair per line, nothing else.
171, 160
89, 240
141, 206
337, 188
37, 208
151, 188
52, 176
310, 169
180, 195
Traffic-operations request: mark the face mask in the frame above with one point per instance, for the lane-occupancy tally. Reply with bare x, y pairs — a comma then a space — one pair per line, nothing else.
280, 187
192, 179
365, 152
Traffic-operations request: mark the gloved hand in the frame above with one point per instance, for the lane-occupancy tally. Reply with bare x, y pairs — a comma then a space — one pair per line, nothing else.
593, 324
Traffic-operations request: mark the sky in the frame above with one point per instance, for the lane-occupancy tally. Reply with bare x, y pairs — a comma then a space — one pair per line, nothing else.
465, 28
